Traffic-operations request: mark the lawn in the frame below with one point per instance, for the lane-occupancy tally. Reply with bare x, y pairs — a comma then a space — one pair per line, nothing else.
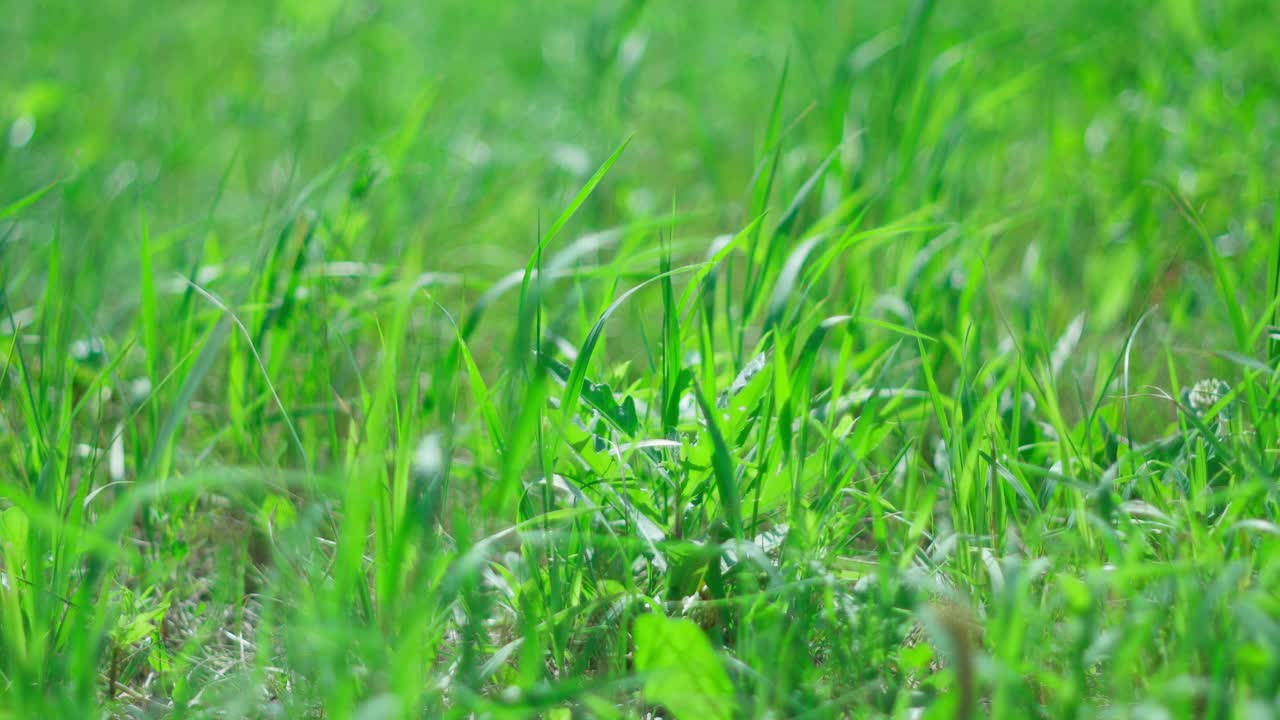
639, 359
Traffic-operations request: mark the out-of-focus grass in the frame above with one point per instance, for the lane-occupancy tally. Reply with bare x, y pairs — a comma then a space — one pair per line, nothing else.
606, 359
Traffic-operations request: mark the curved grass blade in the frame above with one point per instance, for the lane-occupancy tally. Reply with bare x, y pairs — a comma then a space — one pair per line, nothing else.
26, 201
711, 264
601, 398
523, 326
721, 466
577, 376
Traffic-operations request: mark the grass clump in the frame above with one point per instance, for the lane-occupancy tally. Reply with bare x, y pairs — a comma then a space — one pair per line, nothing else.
900, 360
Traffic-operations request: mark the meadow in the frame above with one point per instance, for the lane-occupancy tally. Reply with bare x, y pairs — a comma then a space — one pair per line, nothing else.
639, 359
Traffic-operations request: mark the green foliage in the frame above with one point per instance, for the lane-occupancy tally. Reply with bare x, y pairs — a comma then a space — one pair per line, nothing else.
624, 360
681, 669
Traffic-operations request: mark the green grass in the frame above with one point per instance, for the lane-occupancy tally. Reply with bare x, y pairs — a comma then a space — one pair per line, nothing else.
632, 359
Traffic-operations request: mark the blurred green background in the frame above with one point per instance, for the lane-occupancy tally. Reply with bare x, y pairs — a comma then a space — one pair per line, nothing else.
1061, 122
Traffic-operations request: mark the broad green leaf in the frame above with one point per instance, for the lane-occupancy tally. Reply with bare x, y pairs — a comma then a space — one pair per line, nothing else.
681, 669
600, 397
132, 629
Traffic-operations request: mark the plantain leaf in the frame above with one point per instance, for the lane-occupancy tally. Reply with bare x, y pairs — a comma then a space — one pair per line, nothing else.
681, 669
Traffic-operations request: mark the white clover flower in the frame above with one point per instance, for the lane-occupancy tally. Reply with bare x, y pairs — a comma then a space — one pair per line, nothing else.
1204, 395
1207, 393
